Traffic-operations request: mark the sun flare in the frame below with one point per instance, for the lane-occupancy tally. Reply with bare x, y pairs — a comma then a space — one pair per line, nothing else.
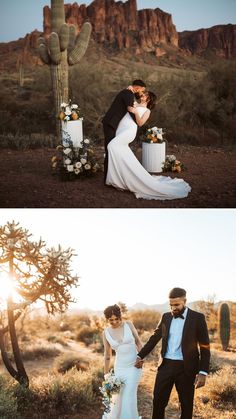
7, 287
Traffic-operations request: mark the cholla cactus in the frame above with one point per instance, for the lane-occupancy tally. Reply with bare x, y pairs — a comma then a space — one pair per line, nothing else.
224, 325
62, 48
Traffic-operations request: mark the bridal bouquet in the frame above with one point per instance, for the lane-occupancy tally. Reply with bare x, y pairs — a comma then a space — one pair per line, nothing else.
69, 112
154, 135
171, 164
110, 386
73, 162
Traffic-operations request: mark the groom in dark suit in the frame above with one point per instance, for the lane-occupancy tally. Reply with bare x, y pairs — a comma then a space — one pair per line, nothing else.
185, 355
117, 110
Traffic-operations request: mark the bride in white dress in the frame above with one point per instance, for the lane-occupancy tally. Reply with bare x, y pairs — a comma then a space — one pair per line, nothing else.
124, 169
123, 338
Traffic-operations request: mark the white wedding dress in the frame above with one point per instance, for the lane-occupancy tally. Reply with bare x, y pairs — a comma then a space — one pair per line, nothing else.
124, 404
125, 171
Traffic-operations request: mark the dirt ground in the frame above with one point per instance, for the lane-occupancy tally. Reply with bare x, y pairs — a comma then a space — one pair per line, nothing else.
27, 181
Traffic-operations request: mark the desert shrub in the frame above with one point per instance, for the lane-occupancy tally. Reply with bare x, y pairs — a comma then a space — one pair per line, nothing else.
57, 339
222, 387
69, 360
145, 319
39, 351
8, 403
88, 335
215, 364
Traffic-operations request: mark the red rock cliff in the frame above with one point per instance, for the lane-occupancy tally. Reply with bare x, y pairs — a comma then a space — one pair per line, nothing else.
121, 24
219, 39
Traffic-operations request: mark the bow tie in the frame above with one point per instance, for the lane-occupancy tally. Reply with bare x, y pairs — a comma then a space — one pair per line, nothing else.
180, 316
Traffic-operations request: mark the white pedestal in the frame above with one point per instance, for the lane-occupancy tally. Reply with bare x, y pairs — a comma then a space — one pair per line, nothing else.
72, 130
153, 156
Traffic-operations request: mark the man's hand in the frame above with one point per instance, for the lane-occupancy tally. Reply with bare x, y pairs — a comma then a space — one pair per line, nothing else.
139, 362
200, 380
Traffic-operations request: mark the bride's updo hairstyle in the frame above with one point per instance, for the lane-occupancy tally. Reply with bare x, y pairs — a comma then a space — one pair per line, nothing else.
112, 311
151, 100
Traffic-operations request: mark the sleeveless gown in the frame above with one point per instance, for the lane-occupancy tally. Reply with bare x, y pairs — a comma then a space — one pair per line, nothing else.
126, 172
124, 404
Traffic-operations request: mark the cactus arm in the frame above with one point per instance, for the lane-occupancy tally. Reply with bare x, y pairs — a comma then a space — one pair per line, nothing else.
64, 36
57, 14
54, 48
72, 37
43, 53
81, 44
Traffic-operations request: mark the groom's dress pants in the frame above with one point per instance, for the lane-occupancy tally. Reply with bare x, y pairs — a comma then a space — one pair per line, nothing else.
170, 373
109, 134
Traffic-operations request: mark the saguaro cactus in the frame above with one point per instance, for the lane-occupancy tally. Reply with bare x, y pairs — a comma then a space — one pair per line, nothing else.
62, 48
224, 325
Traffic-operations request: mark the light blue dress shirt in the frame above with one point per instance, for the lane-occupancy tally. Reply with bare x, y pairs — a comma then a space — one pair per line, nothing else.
174, 350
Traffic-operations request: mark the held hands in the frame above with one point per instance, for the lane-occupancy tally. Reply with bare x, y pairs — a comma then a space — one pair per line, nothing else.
132, 109
139, 362
200, 380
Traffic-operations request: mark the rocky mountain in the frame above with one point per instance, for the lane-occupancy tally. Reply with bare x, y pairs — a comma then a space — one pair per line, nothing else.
220, 40
121, 25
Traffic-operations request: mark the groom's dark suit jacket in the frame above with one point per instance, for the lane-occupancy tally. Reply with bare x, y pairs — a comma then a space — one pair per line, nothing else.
118, 108
195, 342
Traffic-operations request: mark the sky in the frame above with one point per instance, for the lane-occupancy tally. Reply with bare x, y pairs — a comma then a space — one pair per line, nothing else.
19, 17
139, 255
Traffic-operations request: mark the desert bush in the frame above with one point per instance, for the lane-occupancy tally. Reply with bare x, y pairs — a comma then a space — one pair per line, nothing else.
88, 335
8, 403
145, 319
221, 387
70, 360
36, 351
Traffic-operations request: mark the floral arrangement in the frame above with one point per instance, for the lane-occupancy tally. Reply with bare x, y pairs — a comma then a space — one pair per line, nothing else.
75, 161
154, 135
171, 164
110, 386
69, 112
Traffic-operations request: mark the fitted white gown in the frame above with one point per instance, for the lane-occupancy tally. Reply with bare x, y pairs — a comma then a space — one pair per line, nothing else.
126, 172
124, 404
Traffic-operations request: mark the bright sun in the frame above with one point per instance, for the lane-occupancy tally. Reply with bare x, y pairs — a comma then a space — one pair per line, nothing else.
7, 287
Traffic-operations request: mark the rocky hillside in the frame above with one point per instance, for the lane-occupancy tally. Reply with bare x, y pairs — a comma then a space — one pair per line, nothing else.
221, 40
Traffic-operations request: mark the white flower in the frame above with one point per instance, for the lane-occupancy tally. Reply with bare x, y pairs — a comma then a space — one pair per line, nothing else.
63, 105
68, 111
74, 106
78, 165
67, 118
70, 168
77, 171
67, 161
87, 166
86, 141
67, 150
83, 161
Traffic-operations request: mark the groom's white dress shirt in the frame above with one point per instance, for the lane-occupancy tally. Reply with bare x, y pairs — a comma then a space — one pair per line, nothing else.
174, 350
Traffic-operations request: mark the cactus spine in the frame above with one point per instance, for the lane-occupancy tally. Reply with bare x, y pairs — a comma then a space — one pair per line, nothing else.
62, 49
224, 325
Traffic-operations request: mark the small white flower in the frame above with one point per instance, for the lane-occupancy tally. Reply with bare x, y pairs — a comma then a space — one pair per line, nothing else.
67, 118
74, 106
70, 168
83, 161
68, 111
86, 141
67, 161
78, 165
77, 171
67, 150
63, 105
87, 166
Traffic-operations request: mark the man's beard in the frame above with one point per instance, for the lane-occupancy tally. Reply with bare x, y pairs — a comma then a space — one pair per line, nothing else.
137, 96
178, 313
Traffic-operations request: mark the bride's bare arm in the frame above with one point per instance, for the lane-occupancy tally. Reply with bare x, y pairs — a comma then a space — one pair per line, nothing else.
136, 336
107, 354
141, 120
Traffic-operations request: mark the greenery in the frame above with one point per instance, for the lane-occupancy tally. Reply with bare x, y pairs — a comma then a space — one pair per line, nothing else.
195, 106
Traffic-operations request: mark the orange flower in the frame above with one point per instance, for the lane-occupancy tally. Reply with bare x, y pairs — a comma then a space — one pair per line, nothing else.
62, 116
74, 116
